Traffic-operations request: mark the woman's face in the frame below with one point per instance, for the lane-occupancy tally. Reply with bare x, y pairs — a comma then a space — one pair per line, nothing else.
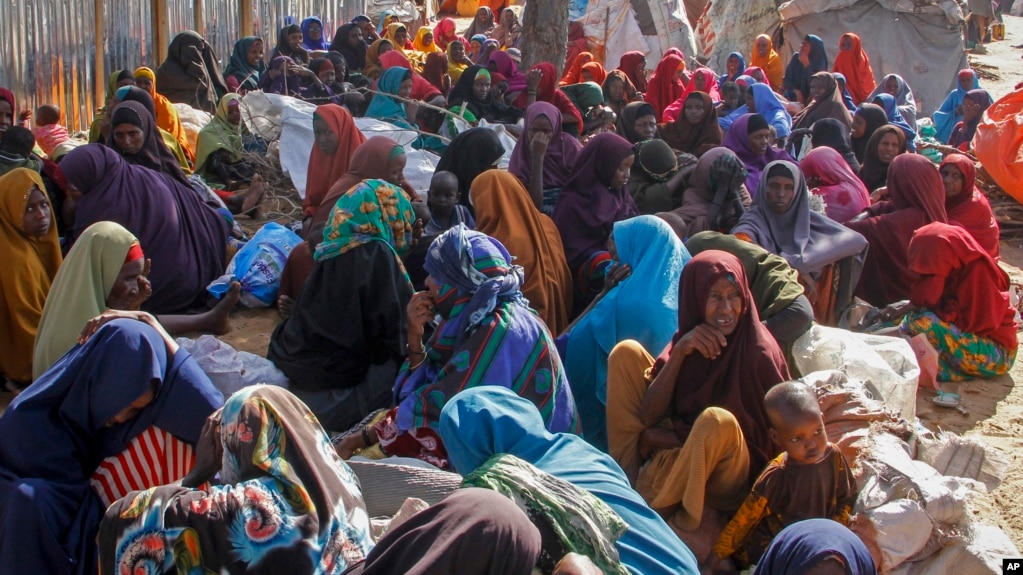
891, 86
384, 48
498, 90
401, 36
507, 18
434, 288
126, 287
723, 306
645, 127
327, 76
457, 50
295, 40
585, 76
405, 89
817, 88
616, 91
541, 125
481, 87
396, 169
759, 141
144, 83
732, 65
133, 409
763, 47
129, 138
126, 82
641, 68
888, 147
6, 116
621, 176
751, 102
953, 180
355, 37
694, 110
326, 140
780, 191
971, 110
859, 126
966, 82
36, 220
758, 75
234, 114
701, 82
315, 32
428, 39
845, 44
804, 48
482, 17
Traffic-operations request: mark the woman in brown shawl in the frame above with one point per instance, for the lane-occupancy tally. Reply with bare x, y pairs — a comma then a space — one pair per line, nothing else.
827, 103
715, 198
696, 130
887, 142
190, 74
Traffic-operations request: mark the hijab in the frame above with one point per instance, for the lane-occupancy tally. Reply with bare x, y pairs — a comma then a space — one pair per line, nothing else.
971, 209
371, 68
737, 140
694, 138
444, 33
33, 262
560, 160
946, 117
588, 208
247, 75
770, 107
664, 86
807, 240
874, 172
190, 74
469, 154
828, 105
710, 86
596, 71
383, 106
435, 68
572, 73
904, 98
702, 209
505, 212
584, 96
220, 134
799, 548
420, 42
628, 64
391, 33
548, 92
854, 64
627, 119
324, 170
507, 67
355, 57
833, 134
964, 132
891, 110
875, 117
307, 42
846, 96
372, 211
772, 65
629, 91
153, 154
742, 66
844, 194
488, 108
283, 48
476, 28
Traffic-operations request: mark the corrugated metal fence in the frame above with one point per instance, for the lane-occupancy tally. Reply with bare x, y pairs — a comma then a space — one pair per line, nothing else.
47, 47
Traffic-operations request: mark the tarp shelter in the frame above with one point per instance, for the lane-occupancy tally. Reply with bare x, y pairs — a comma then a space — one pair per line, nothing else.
614, 27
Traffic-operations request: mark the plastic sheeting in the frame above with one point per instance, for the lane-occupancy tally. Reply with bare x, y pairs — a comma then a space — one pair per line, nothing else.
999, 143
614, 27
611, 30
732, 25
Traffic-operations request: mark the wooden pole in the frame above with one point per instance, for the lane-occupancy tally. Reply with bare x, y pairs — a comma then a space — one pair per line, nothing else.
199, 17
161, 30
100, 80
245, 23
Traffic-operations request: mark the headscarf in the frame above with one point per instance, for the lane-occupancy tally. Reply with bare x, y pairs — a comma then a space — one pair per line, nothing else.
33, 262
664, 86
855, 65
283, 48
833, 134
596, 71
584, 95
737, 140
773, 67
891, 110
277, 463
444, 33
560, 160
961, 283
918, 198
435, 68
247, 75
946, 117
286, 84
505, 212
509, 69
324, 170
154, 154
385, 20
844, 194
628, 64
874, 172
701, 208
742, 66
456, 67
904, 98
489, 108
800, 547
420, 43
307, 42
185, 238
190, 74
627, 120
964, 132
971, 209
643, 307
383, 106
488, 336
829, 105
770, 107
469, 154
746, 368
372, 211
165, 114
698, 138
220, 134
548, 92
710, 87
807, 240
588, 208
818, 54
629, 90
797, 76
507, 37
875, 117
482, 422
422, 89
371, 68
391, 34
474, 26
355, 57
571, 75
846, 96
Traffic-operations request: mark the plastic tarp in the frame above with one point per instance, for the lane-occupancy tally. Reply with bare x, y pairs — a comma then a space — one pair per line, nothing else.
999, 143
924, 47
614, 27
728, 26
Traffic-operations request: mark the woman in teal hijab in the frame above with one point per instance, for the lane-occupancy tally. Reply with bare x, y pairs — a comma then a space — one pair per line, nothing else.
484, 421
397, 81
643, 307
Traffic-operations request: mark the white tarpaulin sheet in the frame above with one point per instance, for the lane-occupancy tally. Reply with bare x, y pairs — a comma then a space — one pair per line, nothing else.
732, 26
611, 30
919, 47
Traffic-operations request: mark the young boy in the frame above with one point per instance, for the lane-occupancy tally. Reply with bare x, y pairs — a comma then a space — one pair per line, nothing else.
445, 211
16, 150
48, 131
811, 479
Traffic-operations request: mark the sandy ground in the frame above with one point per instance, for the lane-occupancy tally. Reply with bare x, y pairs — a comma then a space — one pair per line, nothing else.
995, 407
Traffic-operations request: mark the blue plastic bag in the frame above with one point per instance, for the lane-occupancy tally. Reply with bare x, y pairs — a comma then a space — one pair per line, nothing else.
258, 266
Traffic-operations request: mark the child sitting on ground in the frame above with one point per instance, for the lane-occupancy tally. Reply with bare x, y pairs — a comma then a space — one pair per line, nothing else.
445, 211
811, 479
48, 131
16, 150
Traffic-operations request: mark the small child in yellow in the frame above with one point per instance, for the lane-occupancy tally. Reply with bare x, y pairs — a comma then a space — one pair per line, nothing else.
811, 479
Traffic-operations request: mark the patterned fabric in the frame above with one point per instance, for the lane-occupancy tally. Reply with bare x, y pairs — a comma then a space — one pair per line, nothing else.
153, 458
374, 210
581, 522
289, 504
961, 355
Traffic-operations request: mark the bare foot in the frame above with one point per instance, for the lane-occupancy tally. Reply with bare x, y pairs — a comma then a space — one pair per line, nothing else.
218, 318
252, 197
285, 305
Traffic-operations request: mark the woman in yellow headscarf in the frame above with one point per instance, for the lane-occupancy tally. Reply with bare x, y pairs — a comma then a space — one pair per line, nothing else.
457, 60
372, 68
424, 41
166, 115
397, 33
765, 58
117, 79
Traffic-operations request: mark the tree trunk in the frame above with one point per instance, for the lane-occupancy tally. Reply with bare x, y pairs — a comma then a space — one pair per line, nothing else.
545, 33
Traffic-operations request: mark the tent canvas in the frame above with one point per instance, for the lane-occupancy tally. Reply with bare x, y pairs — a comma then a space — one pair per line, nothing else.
728, 26
613, 27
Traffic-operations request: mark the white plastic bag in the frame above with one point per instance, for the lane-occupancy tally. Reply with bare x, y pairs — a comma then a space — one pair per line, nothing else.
230, 369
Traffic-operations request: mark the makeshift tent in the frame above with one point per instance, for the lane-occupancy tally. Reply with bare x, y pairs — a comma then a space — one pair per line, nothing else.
614, 27
999, 143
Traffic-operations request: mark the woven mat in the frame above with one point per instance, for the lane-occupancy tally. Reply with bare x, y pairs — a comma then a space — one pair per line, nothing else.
385, 486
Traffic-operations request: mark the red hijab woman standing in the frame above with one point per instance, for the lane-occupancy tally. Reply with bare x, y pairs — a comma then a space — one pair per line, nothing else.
852, 62
966, 205
665, 86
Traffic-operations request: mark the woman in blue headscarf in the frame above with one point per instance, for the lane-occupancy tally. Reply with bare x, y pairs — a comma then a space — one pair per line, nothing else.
483, 422
642, 306
127, 378
489, 336
844, 89
891, 111
761, 99
951, 111
810, 59
397, 81
312, 35
734, 66
807, 546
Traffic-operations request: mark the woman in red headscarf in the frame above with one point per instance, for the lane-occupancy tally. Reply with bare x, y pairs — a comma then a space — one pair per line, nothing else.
634, 66
571, 75
666, 86
542, 86
966, 205
853, 63
336, 138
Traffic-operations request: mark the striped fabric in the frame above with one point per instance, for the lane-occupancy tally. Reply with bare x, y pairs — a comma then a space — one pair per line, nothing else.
153, 458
